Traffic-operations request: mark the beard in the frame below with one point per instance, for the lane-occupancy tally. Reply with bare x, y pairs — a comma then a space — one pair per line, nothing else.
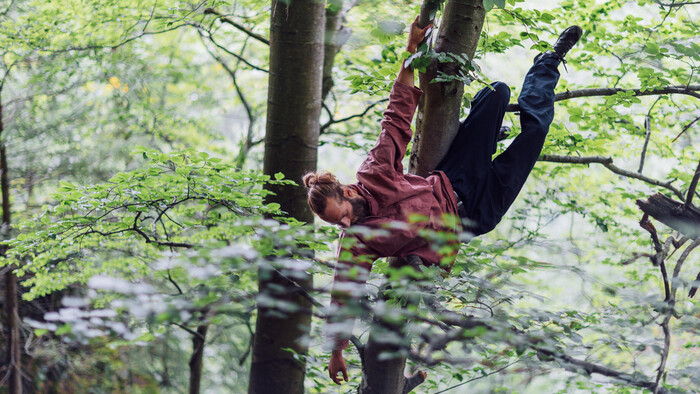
360, 209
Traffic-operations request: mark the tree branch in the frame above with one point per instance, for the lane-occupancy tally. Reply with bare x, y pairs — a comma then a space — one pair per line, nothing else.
607, 162
677, 5
237, 26
413, 381
686, 128
332, 121
210, 37
690, 90
691, 189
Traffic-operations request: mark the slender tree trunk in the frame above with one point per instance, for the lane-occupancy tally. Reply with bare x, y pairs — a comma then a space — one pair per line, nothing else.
336, 36
437, 123
13, 360
381, 375
291, 141
198, 342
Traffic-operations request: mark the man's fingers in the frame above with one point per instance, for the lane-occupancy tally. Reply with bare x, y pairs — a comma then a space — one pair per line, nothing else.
337, 379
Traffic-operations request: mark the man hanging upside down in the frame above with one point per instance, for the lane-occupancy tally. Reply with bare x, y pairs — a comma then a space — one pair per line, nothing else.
467, 182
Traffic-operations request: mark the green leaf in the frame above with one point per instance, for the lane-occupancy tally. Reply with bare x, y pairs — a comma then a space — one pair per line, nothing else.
652, 48
64, 329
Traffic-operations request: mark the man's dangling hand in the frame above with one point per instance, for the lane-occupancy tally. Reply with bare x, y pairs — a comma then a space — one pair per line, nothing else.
336, 365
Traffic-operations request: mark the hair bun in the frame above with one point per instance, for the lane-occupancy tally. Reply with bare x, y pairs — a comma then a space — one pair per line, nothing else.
318, 178
310, 180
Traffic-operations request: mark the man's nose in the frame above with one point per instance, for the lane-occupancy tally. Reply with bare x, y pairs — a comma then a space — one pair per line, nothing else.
345, 222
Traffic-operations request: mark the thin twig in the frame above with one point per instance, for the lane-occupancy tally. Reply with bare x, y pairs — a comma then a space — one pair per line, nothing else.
686, 128
647, 127
237, 26
607, 162
480, 377
363, 113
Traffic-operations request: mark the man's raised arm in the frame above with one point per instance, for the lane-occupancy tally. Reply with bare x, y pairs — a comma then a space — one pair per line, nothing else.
415, 37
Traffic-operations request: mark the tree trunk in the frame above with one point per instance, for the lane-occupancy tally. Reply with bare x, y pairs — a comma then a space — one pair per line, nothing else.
291, 141
437, 123
381, 375
198, 342
13, 355
335, 37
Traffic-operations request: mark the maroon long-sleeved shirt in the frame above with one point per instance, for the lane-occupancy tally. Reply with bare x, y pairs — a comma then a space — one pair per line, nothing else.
393, 197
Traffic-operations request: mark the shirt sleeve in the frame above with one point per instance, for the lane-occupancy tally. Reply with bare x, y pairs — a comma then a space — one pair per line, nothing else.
354, 263
382, 168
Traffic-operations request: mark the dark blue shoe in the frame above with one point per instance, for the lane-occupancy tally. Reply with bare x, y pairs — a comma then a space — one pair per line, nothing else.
567, 39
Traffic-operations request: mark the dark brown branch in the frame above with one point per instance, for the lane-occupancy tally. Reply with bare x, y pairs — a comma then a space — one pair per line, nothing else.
694, 288
607, 162
690, 90
591, 368
686, 128
237, 26
189, 330
210, 37
427, 12
171, 280
363, 113
413, 381
677, 5
9, 7
676, 215
647, 136
691, 189
559, 355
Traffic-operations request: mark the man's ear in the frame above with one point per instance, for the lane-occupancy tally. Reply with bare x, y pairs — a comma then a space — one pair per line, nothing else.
349, 192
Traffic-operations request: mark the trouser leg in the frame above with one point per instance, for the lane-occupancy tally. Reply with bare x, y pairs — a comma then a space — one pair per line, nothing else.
468, 161
509, 171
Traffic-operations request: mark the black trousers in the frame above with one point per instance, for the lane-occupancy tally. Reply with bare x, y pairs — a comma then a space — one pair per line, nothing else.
488, 187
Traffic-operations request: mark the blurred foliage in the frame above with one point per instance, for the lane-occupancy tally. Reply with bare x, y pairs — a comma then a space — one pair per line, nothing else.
133, 131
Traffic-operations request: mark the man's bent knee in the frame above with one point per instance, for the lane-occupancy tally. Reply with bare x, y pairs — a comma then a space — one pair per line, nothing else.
502, 92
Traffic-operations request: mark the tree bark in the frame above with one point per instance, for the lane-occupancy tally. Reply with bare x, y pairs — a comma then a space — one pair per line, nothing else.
674, 214
437, 123
381, 375
291, 141
13, 355
335, 37
198, 342
437, 120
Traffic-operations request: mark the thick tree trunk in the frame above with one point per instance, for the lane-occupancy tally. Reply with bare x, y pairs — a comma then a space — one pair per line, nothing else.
291, 141
437, 123
198, 342
13, 355
438, 113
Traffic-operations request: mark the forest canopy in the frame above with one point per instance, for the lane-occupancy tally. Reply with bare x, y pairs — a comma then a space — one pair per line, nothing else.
156, 236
